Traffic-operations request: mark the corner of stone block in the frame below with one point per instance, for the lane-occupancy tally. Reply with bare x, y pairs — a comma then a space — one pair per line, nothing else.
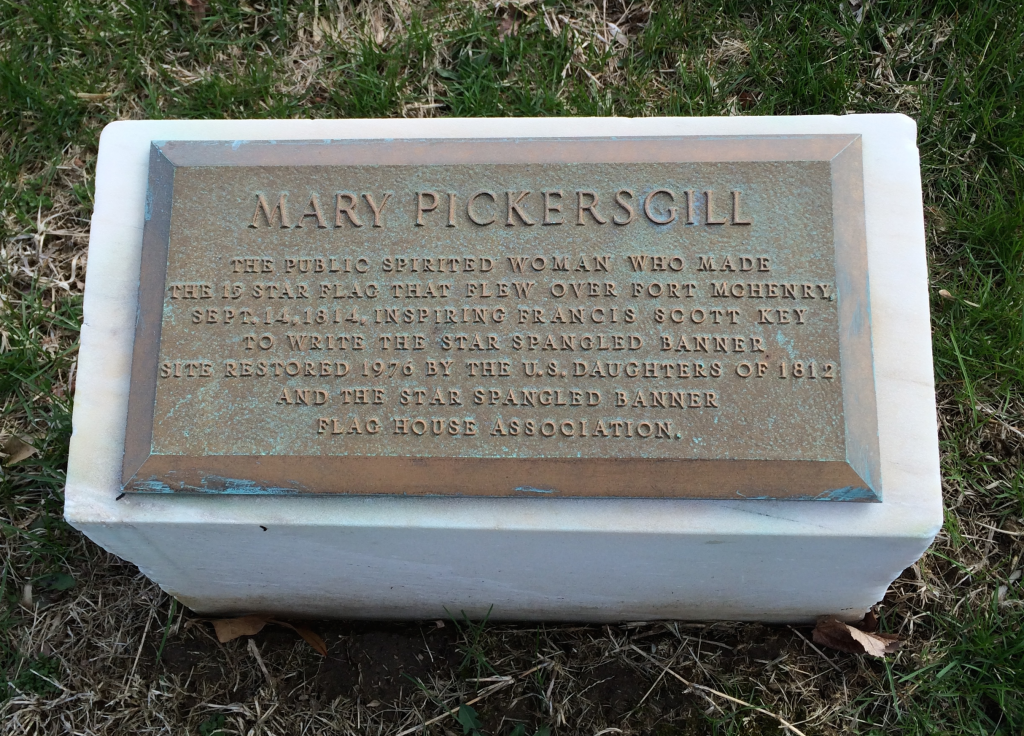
116, 129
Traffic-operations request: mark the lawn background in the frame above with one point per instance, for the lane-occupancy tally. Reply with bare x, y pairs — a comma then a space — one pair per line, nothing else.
89, 647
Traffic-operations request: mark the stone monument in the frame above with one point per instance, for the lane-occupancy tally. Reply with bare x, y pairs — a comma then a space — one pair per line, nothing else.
574, 369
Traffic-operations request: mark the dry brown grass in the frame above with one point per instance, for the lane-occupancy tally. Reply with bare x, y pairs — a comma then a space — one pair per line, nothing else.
590, 678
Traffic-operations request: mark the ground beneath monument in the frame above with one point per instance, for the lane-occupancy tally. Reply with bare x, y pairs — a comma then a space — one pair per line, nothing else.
111, 658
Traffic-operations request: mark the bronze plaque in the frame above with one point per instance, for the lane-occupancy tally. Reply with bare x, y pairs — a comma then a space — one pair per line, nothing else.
663, 317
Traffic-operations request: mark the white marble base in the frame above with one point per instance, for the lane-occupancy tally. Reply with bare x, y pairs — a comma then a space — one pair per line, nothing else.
570, 559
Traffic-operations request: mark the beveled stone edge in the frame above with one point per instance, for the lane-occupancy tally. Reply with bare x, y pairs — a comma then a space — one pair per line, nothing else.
504, 477
856, 348
138, 439
505, 150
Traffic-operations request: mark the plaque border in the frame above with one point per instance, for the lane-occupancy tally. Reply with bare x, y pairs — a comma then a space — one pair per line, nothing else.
857, 479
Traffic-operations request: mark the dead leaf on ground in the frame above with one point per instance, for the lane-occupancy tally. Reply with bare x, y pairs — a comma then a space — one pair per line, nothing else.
231, 628
746, 99
507, 26
945, 294
198, 7
870, 622
833, 633
17, 450
310, 636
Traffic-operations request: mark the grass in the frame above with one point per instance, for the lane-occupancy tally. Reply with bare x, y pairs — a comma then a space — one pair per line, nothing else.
67, 68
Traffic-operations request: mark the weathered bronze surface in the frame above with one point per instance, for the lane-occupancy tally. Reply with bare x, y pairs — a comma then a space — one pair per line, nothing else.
666, 317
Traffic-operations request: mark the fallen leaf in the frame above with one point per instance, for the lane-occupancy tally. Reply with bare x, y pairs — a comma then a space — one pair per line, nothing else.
870, 622
506, 27
313, 639
833, 633
877, 645
310, 636
945, 294
198, 7
231, 628
746, 99
17, 450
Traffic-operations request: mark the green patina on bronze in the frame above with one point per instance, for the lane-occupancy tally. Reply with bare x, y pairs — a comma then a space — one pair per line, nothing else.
809, 435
